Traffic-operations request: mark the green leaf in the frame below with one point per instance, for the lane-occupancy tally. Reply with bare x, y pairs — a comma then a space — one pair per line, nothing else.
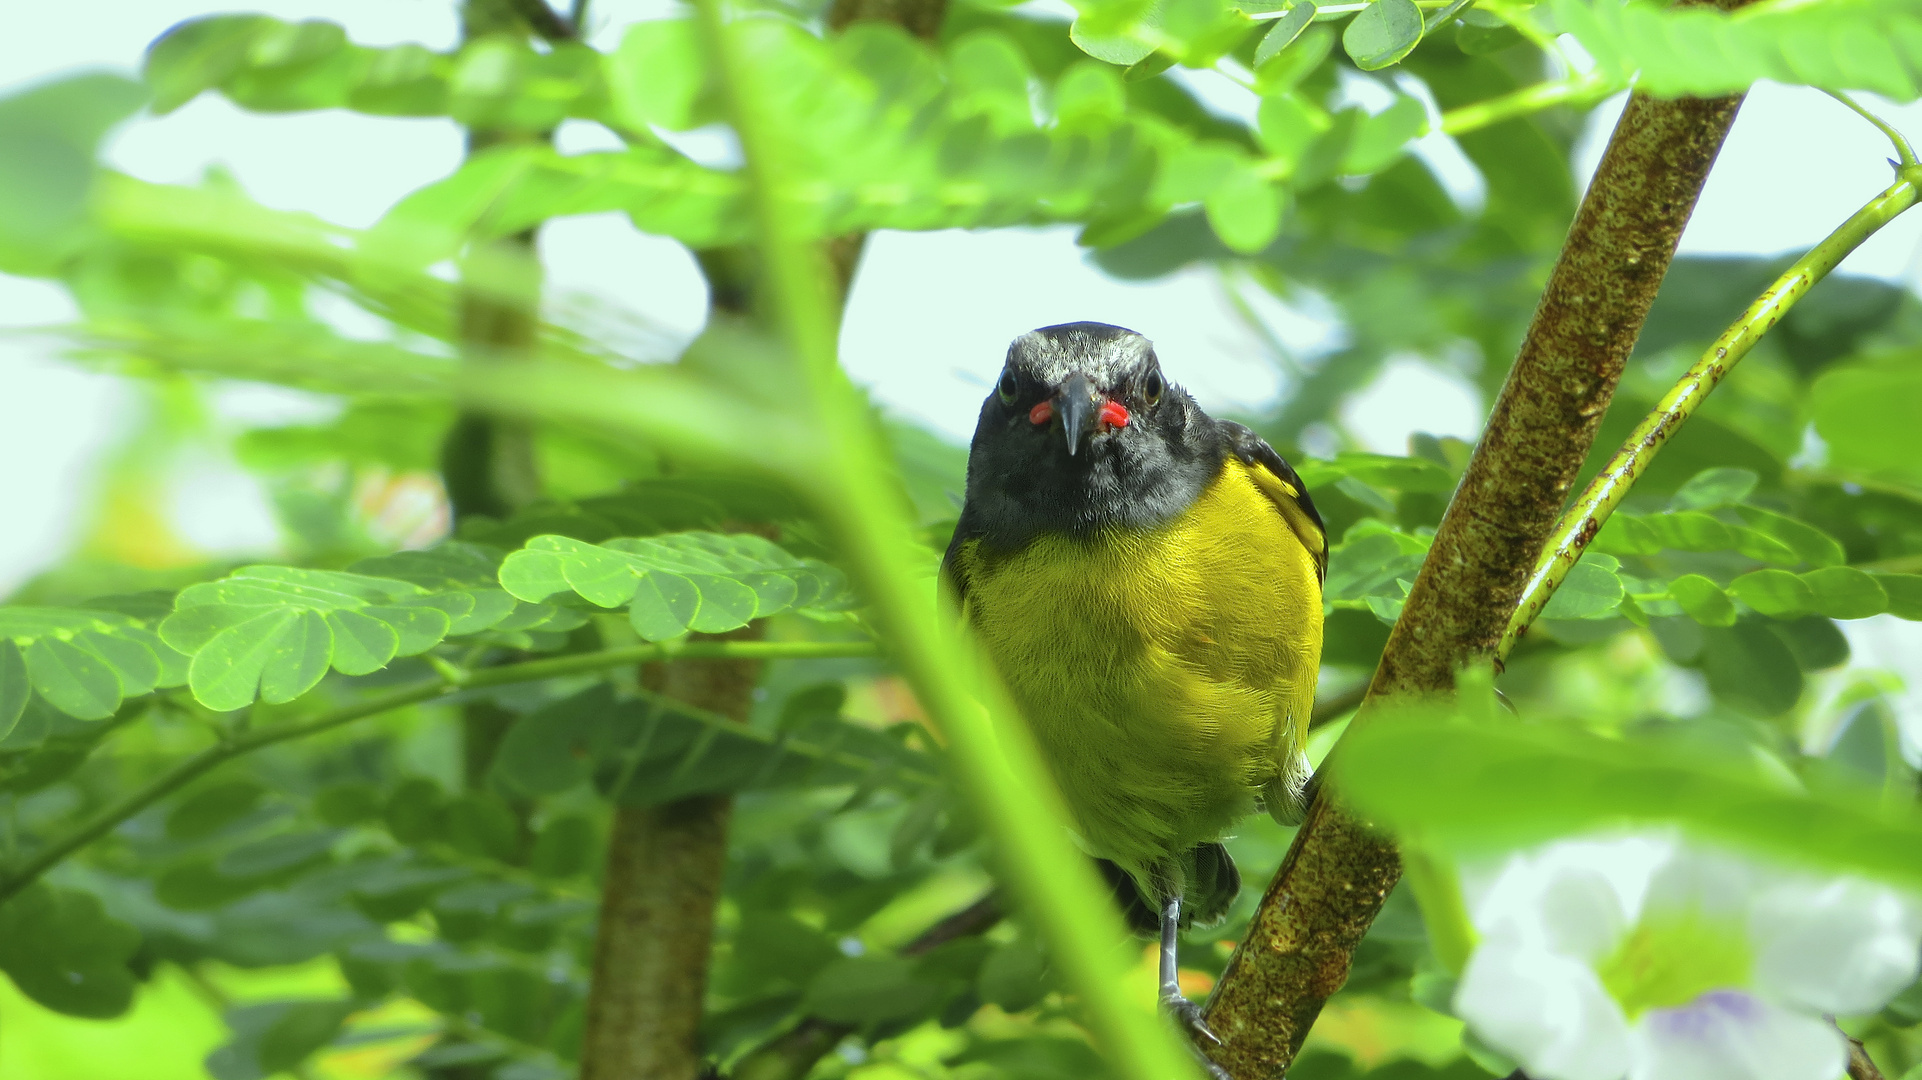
870, 989
1284, 31
360, 645
1382, 33
1809, 543
199, 54
1381, 138
1846, 45
62, 950
226, 672
47, 139
277, 629
652, 750
1865, 418
14, 688
1702, 600
1751, 668
1014, 976
1712, 489
1482, 33
206, 811
1774, 592
1245, 210
1843, 592
275, 1037
73, 680
565, 847
85, 661
1590, 591
481, 825
707, 582
1407, 474
1904, 593
1477, 788
1120, 49
1690, 531
1288, 124
656, 76
276, 855
405, 80
415, 812
1816, 642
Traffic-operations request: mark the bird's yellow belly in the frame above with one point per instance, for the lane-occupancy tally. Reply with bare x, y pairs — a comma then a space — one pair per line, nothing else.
1167, 674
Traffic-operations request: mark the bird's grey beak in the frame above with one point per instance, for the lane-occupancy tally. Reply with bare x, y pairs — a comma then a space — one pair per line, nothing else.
1076, 408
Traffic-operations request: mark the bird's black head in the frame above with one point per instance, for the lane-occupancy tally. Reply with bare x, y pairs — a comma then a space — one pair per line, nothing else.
1083, 432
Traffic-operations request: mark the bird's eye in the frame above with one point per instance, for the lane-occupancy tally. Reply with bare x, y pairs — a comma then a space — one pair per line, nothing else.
1151, 387
1008, 387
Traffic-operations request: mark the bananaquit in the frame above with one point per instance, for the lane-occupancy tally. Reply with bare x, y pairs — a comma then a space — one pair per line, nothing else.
1147, 580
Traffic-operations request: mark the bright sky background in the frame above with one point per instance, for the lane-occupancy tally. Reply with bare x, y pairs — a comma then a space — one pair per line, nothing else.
931, 314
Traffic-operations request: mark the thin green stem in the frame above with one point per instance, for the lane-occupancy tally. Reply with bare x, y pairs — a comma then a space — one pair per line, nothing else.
1905, 156
1578, 90
1330, 11
1585, 518
186, 771
993, 754
1438, 892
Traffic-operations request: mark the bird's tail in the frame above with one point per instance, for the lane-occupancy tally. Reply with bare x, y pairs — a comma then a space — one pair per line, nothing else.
1206, 875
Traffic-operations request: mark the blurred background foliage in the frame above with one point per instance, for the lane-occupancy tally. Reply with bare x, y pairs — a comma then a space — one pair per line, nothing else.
414, 893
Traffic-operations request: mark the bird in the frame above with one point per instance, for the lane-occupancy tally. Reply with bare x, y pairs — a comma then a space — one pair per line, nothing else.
1146, 580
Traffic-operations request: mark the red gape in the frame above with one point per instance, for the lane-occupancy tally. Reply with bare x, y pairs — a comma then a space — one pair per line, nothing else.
1040, 414
1114, 414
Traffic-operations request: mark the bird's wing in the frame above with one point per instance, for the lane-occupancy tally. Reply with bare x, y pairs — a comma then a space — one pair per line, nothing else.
954, 578
1279, 481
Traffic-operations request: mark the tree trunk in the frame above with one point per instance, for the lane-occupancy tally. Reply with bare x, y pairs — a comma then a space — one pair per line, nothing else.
665, 865
1339, 871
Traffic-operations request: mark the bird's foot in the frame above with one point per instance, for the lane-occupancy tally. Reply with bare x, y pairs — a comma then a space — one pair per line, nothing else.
1187, 1016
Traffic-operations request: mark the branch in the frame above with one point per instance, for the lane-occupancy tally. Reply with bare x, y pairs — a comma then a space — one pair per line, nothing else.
1585, 519
792, 1054
534, 670
1861, 1065
665, 868
1338, 872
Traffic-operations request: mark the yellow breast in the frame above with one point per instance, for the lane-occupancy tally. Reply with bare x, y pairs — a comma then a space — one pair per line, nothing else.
1167, 674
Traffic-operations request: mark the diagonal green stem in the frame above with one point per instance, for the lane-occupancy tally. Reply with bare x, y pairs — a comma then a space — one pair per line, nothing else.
1578, 90
184, 772
993, 754
1582, 521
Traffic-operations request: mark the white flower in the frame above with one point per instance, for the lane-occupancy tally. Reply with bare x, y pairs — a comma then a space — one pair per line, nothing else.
1646, 958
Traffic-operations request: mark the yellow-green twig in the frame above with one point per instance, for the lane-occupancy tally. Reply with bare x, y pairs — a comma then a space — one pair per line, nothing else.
1591, 511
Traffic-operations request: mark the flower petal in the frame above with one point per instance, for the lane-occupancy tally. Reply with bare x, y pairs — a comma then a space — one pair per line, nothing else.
1702, 882
1730, 1035
1570, 896
1546, 1011
1581, 914
1838, 946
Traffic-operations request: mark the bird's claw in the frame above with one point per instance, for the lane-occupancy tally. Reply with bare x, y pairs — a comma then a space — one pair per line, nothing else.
1187, 1014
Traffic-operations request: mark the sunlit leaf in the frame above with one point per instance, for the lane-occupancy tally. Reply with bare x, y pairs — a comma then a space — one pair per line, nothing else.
1382, 33
1482, 788
1284, 31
